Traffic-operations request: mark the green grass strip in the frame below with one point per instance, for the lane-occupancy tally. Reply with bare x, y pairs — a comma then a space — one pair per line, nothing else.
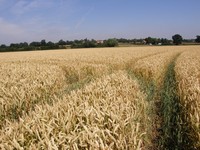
174, 131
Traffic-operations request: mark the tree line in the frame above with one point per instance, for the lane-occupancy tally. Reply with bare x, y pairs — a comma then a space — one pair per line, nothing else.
177, 39
86, 43
43, 45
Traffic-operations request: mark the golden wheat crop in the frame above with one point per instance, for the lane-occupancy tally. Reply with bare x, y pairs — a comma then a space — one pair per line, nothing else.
32, 78
23, 84
188, 77
153, 68
107, 114
86, 98
93, 56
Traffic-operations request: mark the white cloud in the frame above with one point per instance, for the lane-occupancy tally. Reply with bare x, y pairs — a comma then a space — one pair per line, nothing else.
32, 30
35, 28
23, 6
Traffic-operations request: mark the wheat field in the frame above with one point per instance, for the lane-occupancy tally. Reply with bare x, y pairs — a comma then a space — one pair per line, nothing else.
105, 98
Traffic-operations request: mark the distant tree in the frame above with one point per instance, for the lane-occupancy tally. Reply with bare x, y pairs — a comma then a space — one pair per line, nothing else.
69, 42
35, 44
14, 45
23, 45
61, 42
148, 40
153, 41
43, 43
165, 41
177, 39
78, 41
111, 43
3, 46
88, 43
197, 39
50, 44
93, 41
122, 40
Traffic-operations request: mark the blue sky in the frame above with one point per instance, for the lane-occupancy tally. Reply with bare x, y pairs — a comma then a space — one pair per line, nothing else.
34, 20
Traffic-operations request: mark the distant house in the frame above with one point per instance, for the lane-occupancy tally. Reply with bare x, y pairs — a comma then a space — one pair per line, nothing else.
99, 41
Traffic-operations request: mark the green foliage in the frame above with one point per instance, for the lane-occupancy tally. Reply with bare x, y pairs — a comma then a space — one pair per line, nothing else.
43, 43
197, 39
35, 44
85, 43
177, 39
151, 40
3, 48
174, 129
170, 110
130, 41
156, 41
111, 43
165, 41
61, 42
